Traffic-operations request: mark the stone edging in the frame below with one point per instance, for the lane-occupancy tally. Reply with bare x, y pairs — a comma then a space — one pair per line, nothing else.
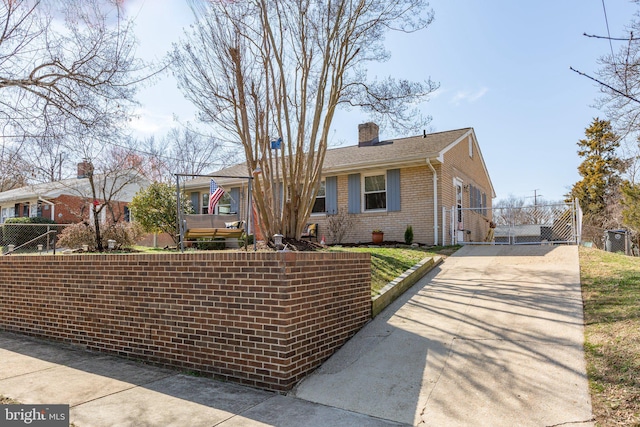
399, 285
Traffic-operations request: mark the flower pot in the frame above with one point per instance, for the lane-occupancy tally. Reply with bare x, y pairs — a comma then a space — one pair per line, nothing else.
377, 237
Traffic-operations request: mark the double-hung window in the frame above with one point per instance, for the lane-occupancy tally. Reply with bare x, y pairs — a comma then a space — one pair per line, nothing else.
224, 205
205, 203
320, 205
375, 192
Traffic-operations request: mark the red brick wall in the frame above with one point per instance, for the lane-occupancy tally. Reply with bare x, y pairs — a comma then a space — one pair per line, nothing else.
74, 209
263, 319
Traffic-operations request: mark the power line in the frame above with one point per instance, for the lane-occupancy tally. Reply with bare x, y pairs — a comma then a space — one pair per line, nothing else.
606, 20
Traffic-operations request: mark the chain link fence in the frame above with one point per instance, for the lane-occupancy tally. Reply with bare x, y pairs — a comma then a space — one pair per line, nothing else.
29, 238
541, 224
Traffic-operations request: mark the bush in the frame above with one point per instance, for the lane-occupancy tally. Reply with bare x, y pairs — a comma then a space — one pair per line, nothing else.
217, 244
125, 235
246, 237
77, 235
338, 224
408, 235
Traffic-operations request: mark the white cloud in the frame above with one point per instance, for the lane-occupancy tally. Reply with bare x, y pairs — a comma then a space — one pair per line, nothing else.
146, 123
468, 97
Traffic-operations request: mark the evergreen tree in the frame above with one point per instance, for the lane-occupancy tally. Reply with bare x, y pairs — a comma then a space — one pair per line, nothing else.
601, 169
631, 206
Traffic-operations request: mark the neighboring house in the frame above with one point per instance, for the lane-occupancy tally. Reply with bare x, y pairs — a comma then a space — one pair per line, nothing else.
438, 183
69, 201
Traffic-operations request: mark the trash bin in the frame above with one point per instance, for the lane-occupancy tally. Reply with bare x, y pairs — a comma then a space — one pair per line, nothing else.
615, 241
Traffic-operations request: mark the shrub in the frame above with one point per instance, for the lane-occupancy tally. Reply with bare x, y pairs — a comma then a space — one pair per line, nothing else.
408, 235
246, 237
77, 235
217, 244
338, 224
125, 235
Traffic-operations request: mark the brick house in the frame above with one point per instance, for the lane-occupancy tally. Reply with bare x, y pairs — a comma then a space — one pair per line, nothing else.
68, 201
438, 183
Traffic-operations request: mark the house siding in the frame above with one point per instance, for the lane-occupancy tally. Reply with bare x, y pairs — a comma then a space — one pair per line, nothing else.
74, 209
470, 170
416, 197
416, 188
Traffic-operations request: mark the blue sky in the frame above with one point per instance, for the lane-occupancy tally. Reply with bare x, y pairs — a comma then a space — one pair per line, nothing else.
503, 69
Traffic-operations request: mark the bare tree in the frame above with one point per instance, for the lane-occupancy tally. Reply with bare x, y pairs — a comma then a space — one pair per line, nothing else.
47, 159
65, 65
112, 175
12, 168
264, 70
193, 152
183, 150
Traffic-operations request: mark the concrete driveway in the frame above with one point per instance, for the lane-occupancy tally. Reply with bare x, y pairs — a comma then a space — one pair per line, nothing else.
492, 337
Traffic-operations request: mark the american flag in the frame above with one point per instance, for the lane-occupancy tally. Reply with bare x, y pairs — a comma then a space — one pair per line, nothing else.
215, 194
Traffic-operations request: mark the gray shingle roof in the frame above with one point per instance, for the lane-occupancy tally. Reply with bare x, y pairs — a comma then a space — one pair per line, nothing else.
387, 152
396, 151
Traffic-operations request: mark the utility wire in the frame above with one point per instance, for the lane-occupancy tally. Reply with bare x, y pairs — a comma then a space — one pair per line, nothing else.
606, 20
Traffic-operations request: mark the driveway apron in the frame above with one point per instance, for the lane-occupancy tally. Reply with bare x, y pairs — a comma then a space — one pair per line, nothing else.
492, 337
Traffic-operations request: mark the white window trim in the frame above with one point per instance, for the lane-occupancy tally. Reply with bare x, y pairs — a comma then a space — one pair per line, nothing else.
217, 208
325, 201
204, 202
103, 214
457, 182
470, 146
363, 204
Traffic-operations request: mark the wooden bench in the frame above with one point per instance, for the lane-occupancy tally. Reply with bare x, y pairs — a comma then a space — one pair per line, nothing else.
212, 227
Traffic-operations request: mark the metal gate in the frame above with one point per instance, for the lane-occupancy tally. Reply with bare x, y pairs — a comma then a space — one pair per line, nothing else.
515, 225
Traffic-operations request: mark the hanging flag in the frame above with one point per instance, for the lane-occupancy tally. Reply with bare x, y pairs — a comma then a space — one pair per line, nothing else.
215, 194
277, 144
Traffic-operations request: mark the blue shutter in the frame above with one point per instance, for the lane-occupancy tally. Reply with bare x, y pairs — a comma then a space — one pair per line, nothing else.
331, 194
195, 202
393, 190
234, 193
354, 193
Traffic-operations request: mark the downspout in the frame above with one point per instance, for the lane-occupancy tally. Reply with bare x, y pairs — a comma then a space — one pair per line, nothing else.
435, 202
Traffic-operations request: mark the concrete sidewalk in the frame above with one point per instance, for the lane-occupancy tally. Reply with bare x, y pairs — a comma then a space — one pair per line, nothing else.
491, 337
105, 391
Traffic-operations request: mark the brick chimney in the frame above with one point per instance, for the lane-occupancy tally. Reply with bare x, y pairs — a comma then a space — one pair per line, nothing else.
368, 134
84, 169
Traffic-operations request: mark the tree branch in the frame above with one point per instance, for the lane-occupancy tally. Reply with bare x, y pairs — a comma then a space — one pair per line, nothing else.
605, 85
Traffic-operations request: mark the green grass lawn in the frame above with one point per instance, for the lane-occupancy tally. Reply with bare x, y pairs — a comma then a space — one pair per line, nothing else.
611, 294
388, 263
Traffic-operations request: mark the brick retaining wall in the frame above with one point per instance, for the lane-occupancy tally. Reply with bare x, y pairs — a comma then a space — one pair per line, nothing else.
263, 319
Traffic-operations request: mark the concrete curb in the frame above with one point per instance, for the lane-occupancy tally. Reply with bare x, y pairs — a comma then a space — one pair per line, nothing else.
399, 285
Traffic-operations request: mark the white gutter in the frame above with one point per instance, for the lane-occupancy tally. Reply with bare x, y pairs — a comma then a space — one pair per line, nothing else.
435, 202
